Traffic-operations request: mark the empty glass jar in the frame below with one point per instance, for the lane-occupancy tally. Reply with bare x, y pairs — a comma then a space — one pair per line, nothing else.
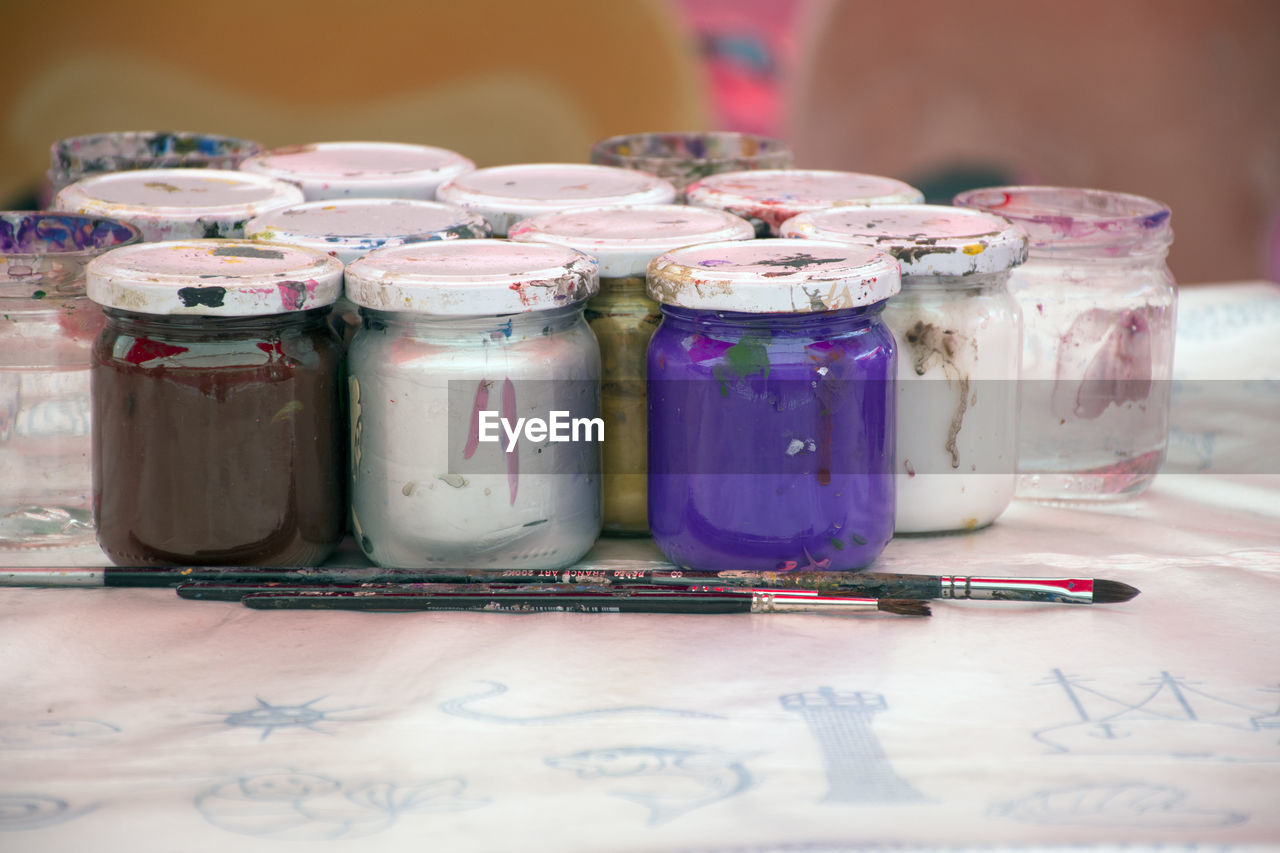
1099, 306
47, 331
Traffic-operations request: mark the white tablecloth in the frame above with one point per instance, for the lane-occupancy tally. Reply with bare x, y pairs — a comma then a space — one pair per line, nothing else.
131, 720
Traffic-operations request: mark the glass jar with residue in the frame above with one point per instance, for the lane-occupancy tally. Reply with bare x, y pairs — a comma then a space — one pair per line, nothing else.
768, 197
47, 329
683, 158
1099, 306
328, 170
506, 194
474, 389
179, 204
771, 405
350, 228
79, 157
959, 334
624, 240
218, 437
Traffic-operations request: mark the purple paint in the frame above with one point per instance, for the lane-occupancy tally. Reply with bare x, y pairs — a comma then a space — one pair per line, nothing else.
777, 459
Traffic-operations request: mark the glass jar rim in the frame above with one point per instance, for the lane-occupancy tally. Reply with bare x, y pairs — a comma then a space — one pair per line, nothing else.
1077, 218
52, 230
710, 146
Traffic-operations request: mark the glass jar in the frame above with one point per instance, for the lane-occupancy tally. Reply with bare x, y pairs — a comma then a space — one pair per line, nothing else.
623, 240
217, 433
771, 405
466, 343
506, 194
1099, 307
959, 335
329, 170
47, 328
769, 197
683, 158
179, 204
351, 228
79, 157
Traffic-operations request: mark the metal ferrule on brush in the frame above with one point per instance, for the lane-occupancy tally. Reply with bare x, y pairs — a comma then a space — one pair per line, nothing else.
1061, 590
796, 600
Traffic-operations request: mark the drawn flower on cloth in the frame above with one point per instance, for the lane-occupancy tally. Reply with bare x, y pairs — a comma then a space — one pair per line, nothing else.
308, 806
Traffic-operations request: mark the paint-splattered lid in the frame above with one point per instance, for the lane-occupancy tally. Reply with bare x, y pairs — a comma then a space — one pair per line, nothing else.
625, 239
773, 276
772, 196
927, 239
1069, 219
177, 196
361, 169
349, 228
218, 278
506, 194
472, 278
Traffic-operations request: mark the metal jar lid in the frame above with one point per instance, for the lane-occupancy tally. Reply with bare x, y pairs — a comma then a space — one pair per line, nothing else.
625, 239
506, 194
772, 196
927, 239
361, 169
349, 228
214, 278
472, 278
773, 276
179, 203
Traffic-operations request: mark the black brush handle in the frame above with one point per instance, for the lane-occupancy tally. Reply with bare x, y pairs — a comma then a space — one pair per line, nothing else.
511, 603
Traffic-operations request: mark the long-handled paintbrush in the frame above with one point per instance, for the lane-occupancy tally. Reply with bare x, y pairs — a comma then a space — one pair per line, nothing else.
554, 596
865, 584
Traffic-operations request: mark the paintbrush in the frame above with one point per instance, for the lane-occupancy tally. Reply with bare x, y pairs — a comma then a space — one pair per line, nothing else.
553, 596
866, 584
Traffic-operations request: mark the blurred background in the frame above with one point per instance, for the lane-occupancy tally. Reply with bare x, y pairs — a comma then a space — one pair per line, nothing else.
1173, 99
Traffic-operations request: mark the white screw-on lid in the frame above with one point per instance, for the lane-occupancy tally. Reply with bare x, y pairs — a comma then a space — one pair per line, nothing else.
361, 169
472, 278
217, 278
506, 194
179, 203
625, 239
773, 276
349, 228
772, 196
927, 239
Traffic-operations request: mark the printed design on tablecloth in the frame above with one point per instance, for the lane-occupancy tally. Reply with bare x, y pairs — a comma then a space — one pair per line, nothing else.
34, 811
1170, 716
56, 734
858, 771
269, 717
460, 707
1125, 804
310, 807
669, 782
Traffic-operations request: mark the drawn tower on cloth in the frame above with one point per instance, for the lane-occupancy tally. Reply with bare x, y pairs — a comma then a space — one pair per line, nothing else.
858, 771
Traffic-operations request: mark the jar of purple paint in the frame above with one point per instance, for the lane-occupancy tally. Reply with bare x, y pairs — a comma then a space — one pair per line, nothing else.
1098, 305
772, 405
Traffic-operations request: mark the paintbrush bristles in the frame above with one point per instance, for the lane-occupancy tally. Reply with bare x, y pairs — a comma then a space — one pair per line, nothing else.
1111, 592
904, 607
